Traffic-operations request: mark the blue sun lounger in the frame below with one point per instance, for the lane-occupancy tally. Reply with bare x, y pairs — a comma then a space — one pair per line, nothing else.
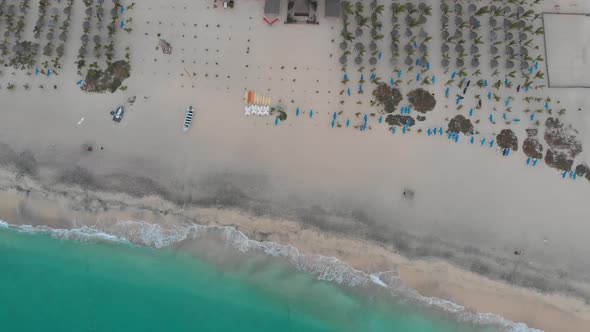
563, 174
483, 141
429, 132
347, 122
491, 143
471, 140
311, 114
471, 112
381, 119
528, 160
453, 75
297, 112
440, 131
491, 118
535, 162
277, 121
433, 79
333, 123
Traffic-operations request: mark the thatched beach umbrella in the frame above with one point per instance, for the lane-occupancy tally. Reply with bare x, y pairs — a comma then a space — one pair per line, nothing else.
394, 47
493, 50
444, 34
444, 48
372, 61
409, 33
524, 65
408, 47
508, 36
372, 46
422, 48
358, 60
458, 20
474, 63
444, 19
494, 63
509, 51
459, 48
358, 32
509, 64
460, 63
458, 34
60, 50
343, 60
524, 51
408, 61
471, 8
445, 63
343, 45
472, 35
474, 49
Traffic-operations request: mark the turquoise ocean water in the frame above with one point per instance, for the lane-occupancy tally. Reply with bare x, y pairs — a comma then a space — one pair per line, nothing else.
51, 284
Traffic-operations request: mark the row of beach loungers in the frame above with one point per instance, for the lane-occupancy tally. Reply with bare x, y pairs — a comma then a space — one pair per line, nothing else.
256, 104
257, 110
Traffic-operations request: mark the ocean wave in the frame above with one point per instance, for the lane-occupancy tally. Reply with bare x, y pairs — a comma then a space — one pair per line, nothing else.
322, 267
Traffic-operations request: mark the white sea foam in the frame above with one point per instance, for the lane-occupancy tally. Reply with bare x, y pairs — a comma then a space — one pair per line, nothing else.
322, 267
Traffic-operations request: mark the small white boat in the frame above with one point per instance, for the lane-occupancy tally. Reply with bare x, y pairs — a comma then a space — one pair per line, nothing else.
188, 118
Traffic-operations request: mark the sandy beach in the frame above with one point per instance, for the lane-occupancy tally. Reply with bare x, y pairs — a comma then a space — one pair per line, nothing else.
483, 229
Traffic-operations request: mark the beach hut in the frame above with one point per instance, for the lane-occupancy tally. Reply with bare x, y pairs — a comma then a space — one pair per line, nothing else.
165, 46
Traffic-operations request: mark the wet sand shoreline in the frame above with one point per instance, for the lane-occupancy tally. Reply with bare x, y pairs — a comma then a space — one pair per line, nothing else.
71, 207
